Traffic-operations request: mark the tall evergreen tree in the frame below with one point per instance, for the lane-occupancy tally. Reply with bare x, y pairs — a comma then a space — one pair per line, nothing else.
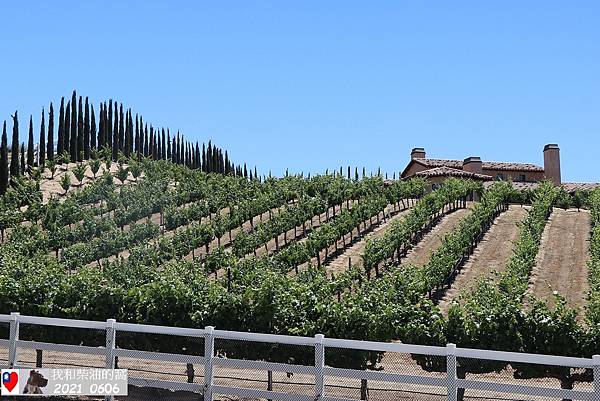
163, 153
73, 142
136, 146
101, 127
209, 164
61, 128
146, 141
93, 130
14, 151
42, 144
4, 161
115, 140
80, 131
67, 129
22, 158
108, 128
30, 152
169, 145
121, 129
86, 131
50, 142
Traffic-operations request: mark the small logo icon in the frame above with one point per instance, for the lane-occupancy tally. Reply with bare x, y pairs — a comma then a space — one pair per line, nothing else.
10, 382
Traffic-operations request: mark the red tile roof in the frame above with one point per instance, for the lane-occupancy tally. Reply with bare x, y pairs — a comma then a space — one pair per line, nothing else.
485, 165
581, 186
568, 186
452, 172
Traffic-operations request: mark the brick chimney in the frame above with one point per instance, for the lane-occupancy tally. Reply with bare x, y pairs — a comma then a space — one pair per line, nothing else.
417, 153
552, 163
473, 165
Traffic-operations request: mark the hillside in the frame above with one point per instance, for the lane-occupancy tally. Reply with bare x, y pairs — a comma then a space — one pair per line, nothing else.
363, 259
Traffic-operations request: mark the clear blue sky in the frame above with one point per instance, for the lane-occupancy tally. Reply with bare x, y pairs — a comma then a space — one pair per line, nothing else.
312, 85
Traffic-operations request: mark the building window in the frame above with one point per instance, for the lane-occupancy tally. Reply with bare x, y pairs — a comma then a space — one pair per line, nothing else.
522, 178
499, 177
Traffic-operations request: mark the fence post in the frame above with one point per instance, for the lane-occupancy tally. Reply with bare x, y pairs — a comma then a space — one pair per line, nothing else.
451, 371
14, 337
209, 353
111, 338
596, 367
319, 367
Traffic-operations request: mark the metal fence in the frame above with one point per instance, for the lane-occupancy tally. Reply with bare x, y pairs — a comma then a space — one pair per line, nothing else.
213, 364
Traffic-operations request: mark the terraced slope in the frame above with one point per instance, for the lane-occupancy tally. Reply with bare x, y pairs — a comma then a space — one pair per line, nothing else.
419, 255
491, 255
561, 264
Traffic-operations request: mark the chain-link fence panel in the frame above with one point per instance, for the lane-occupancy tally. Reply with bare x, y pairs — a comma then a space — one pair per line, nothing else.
160, 360
59, 345
4, 335
286, 368
517, 381
385, 375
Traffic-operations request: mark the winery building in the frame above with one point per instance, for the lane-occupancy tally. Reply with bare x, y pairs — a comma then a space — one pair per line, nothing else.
523, 175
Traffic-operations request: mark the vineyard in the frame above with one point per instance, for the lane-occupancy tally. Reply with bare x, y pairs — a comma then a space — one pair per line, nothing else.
157, 242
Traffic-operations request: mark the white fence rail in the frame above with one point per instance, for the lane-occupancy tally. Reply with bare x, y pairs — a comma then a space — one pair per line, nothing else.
449, 384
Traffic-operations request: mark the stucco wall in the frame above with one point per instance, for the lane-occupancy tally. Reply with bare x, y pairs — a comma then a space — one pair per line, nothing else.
530, 176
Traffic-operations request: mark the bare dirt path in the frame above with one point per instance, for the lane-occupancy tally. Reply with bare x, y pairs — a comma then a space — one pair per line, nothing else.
561, 264
419, 255
491, 255
355, 252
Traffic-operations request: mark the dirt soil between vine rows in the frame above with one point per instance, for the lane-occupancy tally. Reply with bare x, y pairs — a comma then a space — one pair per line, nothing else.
561, 264
491, 255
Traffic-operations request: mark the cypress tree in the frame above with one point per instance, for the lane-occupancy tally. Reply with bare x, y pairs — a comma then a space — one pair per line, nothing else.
136, 146
203, 157
131, 134
23, 158
173, 150
209, 164
4, 161
80, 131
93, 131
61, 128
50, 142
255, 174
154, 141
67, 129
42, 143
101, 127
86, 131
121, 130
30, 152
163, 152
115, 139
146, 144
73, 142
245, 171
169, 145
197, 156
150, 143
126, 144
14, 151
108, 127
141, 148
